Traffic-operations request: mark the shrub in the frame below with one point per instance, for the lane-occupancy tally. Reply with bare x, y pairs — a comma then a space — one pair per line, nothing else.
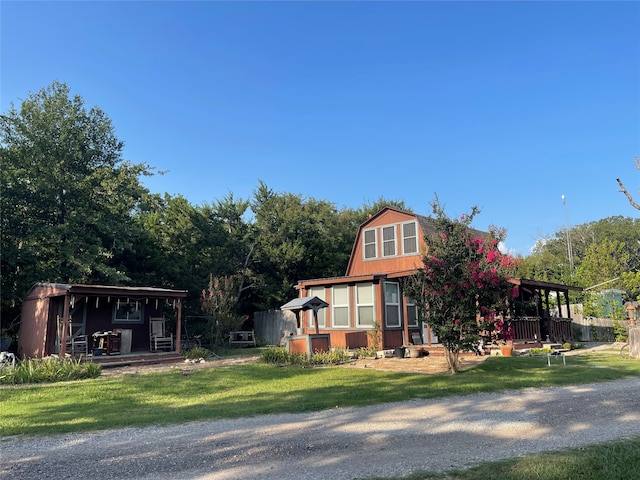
196, 353
540, 351
280, 356
48, 370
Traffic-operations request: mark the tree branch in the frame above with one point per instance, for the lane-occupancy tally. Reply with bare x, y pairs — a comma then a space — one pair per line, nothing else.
624, 190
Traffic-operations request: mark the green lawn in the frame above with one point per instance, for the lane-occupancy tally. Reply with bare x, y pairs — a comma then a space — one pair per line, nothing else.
617, 460
238, 391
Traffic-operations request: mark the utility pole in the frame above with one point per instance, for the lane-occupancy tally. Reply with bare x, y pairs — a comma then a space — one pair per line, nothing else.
567, 234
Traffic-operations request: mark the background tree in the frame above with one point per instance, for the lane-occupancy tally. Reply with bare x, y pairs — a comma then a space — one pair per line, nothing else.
219, 301
67, 195
295, 239
463, 283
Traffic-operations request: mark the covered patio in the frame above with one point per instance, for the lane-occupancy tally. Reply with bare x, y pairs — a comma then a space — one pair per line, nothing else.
100, 321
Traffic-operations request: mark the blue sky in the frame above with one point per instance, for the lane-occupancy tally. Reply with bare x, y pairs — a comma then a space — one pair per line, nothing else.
503, 105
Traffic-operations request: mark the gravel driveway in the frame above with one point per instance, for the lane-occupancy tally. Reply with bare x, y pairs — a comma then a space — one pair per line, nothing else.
345, 443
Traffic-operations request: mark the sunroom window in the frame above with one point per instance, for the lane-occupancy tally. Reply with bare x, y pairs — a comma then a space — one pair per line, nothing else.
365, 304
340, 306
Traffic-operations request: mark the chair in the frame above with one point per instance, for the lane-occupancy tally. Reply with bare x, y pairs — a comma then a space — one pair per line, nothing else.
77, 345
158, 337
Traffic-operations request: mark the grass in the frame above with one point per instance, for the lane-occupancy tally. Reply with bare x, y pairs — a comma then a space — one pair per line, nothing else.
257, 389
617, 460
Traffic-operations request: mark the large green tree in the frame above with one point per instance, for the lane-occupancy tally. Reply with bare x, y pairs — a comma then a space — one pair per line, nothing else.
67, 197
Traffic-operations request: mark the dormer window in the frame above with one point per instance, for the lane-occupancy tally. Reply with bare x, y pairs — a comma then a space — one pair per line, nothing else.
389, 241
370, 244
410, 238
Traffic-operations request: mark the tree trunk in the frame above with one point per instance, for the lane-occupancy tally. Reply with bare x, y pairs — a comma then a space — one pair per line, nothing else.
453, 360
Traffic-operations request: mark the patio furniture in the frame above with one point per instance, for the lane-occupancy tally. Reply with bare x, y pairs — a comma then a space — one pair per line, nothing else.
159, 338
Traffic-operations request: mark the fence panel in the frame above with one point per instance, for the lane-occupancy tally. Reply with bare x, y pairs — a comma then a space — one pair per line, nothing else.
270, 326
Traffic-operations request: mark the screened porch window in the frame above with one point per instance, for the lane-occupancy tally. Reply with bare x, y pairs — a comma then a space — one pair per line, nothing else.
412, 313
392, 304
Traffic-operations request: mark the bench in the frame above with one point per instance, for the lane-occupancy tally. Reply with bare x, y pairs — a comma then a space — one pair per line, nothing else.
242, 338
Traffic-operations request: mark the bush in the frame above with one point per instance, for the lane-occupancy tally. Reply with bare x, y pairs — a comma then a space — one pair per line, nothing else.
196, 353
540, 351
48, 370
280, 356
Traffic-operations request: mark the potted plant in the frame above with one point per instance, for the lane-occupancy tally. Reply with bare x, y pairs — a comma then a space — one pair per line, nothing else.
505, 334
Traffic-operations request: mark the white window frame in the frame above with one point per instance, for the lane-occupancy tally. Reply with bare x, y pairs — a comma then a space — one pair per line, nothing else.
366, 244
321, 293
131, 312
365, 303
413, 237
386, 241
336, 306
392, 303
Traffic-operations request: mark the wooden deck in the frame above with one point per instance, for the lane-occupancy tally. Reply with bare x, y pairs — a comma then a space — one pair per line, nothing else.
135, 358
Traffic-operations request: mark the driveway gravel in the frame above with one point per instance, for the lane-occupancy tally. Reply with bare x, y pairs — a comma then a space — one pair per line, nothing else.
345, 443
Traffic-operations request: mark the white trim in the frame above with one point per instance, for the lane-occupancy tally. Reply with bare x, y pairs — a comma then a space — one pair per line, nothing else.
321, 293
341, 306
371, 304
386, 241
374, 243
405, 238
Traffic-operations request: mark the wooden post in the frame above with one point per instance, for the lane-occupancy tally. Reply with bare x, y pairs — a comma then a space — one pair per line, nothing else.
179, 326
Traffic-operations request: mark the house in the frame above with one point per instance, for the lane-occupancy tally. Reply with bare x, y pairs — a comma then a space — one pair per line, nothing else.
114, 319
368, 307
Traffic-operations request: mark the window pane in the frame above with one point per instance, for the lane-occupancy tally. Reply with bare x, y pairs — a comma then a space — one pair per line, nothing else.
409, 229
340, 295
393, 316
341, 316
365, 315
410, 245
410, 238
322, 316
365, 293
389, 241
370, 251
391, 293
412, 314
370, 244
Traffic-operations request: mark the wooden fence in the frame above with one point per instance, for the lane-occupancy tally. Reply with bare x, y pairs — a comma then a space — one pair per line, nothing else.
271, 325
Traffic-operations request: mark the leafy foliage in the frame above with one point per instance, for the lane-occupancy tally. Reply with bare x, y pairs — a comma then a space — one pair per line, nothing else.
219, 301
48, 370
463, 283
68, 196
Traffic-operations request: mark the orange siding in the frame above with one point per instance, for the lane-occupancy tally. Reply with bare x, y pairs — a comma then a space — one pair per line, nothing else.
359, 266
